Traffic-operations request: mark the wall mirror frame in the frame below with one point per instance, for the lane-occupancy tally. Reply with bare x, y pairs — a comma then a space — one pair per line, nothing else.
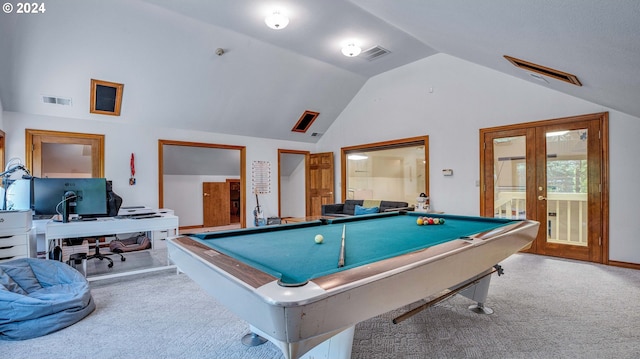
402, 174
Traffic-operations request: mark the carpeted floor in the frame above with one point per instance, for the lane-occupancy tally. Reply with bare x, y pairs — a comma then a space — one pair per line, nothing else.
544, 308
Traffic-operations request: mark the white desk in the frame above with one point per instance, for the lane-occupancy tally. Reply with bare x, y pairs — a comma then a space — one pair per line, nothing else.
156, 228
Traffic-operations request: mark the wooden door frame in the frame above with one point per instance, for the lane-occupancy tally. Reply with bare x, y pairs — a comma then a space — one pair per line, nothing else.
306, 154
3, 140
97, 148
603, 118
243, 155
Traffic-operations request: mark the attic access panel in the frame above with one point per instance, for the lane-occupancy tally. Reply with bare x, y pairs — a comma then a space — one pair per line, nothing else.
305, 121
543, 70
106, 97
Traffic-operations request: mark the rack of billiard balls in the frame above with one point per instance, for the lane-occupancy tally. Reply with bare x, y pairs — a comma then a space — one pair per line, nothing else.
424, 221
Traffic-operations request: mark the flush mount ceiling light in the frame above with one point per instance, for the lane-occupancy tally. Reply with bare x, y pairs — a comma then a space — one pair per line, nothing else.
276, 20
351, 50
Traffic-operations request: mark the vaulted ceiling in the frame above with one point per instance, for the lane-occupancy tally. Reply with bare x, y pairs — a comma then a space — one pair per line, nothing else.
164, 51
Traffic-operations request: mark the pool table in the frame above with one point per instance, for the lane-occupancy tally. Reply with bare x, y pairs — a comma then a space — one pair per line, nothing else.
292, 291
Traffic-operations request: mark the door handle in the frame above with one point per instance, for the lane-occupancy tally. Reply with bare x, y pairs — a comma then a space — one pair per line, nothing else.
206, 194
542, 198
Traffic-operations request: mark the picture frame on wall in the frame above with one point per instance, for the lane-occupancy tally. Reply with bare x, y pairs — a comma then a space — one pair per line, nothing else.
106, 97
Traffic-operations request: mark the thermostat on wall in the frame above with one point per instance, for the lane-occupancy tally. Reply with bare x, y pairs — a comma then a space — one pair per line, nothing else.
447, 172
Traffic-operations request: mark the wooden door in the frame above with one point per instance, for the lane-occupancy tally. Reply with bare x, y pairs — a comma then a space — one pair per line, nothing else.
553, 172
320, 182
215, 204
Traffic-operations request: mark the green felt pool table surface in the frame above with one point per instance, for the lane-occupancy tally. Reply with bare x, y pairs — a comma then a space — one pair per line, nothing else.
290, 253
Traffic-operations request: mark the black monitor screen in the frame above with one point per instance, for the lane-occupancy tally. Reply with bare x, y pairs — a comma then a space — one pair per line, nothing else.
90, 195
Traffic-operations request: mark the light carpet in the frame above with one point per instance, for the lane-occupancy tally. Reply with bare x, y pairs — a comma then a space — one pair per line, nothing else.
544, 308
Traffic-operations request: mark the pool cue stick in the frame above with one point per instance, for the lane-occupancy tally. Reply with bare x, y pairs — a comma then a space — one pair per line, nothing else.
440, 297
341, 259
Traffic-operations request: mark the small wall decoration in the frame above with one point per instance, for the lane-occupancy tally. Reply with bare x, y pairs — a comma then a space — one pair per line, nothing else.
261, 177
106, 97
132, 163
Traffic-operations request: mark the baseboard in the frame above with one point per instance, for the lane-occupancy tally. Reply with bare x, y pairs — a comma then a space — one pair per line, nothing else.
624, 264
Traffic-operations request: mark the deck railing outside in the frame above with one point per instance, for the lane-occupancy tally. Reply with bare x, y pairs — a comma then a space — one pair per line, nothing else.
566, 219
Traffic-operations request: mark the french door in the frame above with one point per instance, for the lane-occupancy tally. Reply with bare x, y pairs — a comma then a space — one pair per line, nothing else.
553, 172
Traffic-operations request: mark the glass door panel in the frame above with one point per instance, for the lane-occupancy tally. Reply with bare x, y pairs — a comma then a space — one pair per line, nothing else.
567, 187
510, 177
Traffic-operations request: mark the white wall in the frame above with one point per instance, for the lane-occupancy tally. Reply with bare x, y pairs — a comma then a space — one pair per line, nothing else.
464, 98
183, 194
292, 200
122, 139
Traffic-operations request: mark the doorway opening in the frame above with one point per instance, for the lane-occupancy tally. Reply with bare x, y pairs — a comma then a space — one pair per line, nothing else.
195, 180
293, 183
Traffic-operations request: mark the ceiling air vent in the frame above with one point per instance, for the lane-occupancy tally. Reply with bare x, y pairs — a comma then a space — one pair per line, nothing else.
374, 53
57, 100
305, 121
546, 71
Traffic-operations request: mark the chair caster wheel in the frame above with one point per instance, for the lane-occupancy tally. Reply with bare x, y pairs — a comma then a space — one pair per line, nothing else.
110, 265
123, 259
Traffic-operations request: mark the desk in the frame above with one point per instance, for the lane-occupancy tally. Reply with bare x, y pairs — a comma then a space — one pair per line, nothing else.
56, 231
292, 292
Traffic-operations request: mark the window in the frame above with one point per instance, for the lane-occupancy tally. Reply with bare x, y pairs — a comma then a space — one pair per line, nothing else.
394, 170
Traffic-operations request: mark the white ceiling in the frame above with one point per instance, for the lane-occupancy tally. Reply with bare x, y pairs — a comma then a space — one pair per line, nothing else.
267, 78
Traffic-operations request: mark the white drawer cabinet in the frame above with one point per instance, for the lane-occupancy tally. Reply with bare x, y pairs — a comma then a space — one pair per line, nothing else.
17, 246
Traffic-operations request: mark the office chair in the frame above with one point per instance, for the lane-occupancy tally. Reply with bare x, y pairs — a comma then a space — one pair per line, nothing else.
100, 256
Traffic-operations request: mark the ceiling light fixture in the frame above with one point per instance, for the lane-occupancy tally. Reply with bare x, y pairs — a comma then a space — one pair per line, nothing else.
276, 20
351, 50
357, 157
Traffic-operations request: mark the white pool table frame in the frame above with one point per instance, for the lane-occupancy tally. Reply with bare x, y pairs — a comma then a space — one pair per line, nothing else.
297, 319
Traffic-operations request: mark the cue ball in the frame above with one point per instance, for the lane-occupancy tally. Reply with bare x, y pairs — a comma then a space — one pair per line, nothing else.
319, 238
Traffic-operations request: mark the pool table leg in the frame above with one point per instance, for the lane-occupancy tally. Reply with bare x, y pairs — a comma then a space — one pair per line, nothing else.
479, 293
336, 346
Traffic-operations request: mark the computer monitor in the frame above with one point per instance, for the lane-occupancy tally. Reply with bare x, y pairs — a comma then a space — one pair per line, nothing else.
86, 196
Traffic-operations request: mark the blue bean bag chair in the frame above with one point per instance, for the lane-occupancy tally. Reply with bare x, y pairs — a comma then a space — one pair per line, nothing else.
38, 297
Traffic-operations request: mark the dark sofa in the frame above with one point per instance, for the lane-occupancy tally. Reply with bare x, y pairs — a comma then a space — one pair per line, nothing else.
348, 207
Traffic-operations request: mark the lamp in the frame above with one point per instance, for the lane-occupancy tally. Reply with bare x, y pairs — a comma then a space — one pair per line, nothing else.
351, 50
276, 20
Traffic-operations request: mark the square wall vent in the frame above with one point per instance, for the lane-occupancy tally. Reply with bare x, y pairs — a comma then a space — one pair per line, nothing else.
305, 121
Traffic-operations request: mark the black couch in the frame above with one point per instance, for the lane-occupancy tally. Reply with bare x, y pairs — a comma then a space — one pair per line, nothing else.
347, 208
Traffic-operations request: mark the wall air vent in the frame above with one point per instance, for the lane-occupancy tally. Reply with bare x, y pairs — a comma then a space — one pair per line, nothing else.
316, 134
57, 100
546, 71
374, 53
305, 121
